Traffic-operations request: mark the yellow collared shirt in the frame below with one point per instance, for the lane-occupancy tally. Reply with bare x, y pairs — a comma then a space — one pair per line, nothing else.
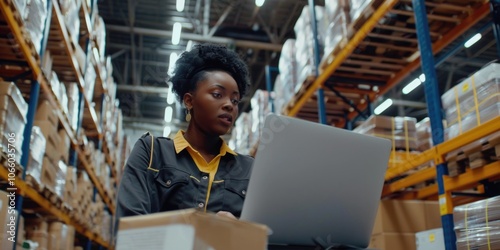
211, 167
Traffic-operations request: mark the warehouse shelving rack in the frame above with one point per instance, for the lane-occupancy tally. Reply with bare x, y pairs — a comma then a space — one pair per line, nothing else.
23, 53
350, 64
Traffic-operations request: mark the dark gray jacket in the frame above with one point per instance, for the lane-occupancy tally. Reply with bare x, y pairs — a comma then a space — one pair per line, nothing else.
172, 181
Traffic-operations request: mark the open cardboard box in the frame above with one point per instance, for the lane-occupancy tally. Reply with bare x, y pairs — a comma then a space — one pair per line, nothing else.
189, 229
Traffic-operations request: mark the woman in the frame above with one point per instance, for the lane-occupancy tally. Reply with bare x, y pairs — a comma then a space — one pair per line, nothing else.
196, 169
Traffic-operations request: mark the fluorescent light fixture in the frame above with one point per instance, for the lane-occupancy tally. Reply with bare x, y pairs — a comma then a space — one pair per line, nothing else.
259, 3
170, 96
171, 62
189, 45
166, 131
179, 5
176, 34
422, 77
364, 86
411, 86
169, 111
472, 40
382, 107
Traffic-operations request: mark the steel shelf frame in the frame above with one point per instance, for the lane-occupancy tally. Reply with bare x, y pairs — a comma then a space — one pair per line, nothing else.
445, 184
40, 83
397, 75
29, 192
89, 110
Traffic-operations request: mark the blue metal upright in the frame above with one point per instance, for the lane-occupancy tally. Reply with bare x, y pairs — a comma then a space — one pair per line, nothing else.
269, 84
434, 109
321, 95
30, 116
495, 11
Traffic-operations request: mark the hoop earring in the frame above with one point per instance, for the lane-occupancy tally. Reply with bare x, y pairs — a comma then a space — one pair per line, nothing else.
188, 115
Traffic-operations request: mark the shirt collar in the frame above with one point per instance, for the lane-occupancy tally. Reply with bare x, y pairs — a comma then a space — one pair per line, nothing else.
180, 143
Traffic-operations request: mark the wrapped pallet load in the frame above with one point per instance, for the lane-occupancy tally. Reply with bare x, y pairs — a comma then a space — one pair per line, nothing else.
338, 17
304, 44
473, 101
286, 81
477, 224
13, 110
400, 130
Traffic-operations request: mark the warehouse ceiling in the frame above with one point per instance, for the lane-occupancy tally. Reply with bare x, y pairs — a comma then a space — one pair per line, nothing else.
139, 43
140, 55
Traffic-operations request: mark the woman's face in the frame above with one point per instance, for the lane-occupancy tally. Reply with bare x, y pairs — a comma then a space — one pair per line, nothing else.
214, 103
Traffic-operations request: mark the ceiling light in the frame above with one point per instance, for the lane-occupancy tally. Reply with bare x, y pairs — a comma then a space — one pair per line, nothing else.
382, 107
166, 131
171, 62
180, 5
422, 77
176, 34
472, 40
170, 96
189, 45
169, 111
259, 3
411, 86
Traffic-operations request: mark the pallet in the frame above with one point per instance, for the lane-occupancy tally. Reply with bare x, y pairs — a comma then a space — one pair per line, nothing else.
355, 25
52, 197
474, 155
33, 183
4, 162
329, 57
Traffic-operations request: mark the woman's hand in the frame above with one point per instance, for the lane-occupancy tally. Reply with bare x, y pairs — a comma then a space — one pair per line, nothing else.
226, 214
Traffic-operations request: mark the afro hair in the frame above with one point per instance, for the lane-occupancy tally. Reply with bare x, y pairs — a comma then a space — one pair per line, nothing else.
191, 66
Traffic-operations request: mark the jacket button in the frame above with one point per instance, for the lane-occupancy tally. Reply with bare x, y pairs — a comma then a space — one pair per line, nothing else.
169, 182
200, 205
244, 192
204, 177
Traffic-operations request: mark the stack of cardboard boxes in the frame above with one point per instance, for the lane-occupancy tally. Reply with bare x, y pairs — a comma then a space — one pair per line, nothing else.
401, 131
398, 221
49, 235
46, 119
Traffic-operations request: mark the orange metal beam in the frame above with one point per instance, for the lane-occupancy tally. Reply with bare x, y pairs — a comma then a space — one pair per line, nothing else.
473, 176
343, 54
413, 161
466, 24
421, 194
415, 178
18, 35
475, 134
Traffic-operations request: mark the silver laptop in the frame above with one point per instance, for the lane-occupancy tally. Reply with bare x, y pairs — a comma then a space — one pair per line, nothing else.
316, 184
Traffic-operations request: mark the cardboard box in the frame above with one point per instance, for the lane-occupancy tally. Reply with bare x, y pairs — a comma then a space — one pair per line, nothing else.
46, 111
189, 229
64, 145
406, 216
430, 240
393, 241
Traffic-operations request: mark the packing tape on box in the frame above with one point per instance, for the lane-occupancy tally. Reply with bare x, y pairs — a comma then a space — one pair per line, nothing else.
466, 226
474, 91
459, 116
487, 226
